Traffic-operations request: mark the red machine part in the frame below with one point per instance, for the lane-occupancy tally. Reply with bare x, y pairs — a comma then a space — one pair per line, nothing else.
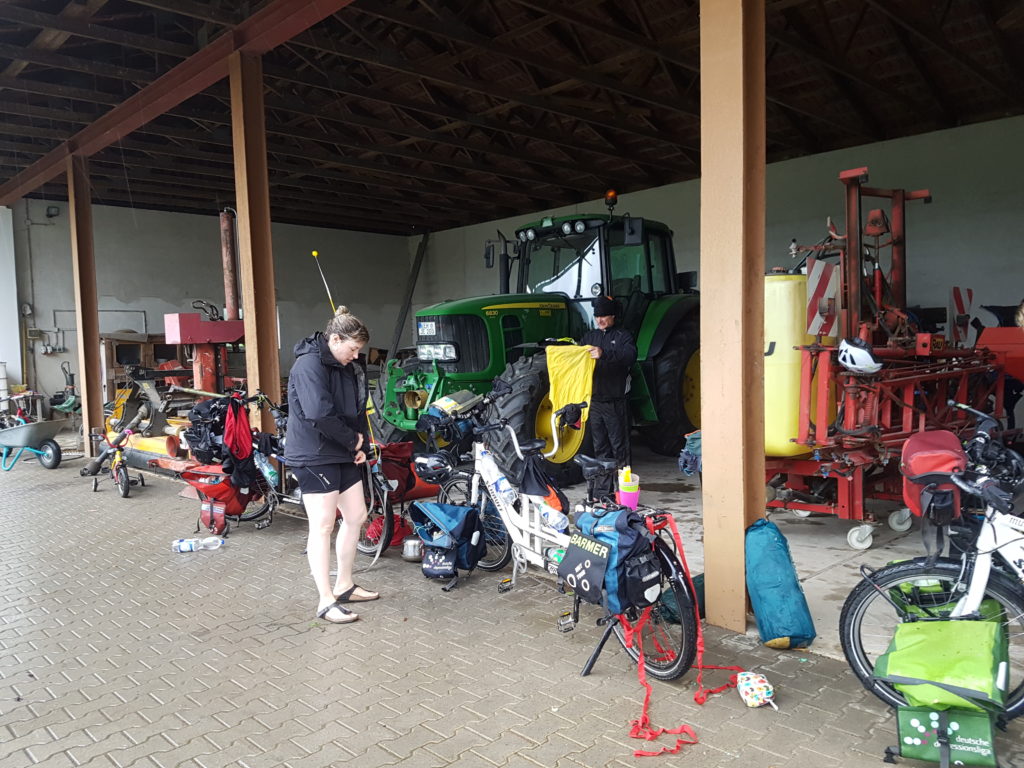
854, 455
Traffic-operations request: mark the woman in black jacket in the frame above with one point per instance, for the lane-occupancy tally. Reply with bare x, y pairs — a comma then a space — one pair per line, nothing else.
326, 438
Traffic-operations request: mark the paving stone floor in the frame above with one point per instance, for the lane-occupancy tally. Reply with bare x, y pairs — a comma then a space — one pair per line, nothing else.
117, 652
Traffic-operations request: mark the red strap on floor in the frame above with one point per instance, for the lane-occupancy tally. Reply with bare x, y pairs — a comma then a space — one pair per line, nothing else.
702, 693
641, 728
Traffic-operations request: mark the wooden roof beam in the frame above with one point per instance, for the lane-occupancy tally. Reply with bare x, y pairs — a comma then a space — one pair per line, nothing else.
86, 30
272, 25
935, 38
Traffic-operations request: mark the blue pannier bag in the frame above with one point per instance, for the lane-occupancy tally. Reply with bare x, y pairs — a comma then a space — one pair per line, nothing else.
783, 618
632, 578
453, 539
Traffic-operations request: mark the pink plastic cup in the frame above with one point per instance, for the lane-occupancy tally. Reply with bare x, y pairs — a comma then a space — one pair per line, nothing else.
629, 499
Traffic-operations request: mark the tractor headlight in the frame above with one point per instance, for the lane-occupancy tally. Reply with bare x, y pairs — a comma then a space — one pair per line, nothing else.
522, 236
579, 226
531, 234
567, 228
443, 352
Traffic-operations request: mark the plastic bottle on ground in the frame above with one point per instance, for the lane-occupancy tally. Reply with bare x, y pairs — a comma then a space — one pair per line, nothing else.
193, 545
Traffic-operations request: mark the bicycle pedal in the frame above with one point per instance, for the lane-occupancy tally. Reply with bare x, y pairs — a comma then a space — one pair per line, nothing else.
505, 585
565, 622
262, 524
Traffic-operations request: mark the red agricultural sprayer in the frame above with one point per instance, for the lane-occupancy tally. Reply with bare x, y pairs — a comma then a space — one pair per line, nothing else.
835, 428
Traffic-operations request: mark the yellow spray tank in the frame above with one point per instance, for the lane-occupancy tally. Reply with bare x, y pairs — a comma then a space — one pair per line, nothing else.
785, 327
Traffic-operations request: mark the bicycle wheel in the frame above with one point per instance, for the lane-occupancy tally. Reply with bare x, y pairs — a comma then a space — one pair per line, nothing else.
262, 501
122, 481
499, 543
868, 620
670, 634
379, 527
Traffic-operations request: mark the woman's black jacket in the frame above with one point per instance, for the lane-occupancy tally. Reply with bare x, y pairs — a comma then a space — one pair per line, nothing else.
326, 406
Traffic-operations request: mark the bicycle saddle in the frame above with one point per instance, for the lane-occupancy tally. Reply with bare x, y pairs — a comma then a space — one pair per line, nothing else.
592, 466
535, 445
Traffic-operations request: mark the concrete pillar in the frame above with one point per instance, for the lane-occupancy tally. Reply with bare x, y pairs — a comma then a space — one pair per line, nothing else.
732, 232
256, 258
87, 316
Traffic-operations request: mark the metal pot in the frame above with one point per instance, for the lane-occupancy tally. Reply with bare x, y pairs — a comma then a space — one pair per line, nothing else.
412, 549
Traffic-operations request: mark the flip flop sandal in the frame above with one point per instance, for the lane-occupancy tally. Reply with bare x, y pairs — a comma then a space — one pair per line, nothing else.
336, 614
349, 596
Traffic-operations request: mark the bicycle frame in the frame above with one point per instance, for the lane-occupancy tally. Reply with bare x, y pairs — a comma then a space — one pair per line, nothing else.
1002, 534
530, 536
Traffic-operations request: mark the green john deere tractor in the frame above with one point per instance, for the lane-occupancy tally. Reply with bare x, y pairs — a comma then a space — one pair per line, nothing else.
558, 266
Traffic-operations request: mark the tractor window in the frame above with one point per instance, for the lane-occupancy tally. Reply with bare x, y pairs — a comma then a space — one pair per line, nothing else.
660, 257
638, 267
567, 264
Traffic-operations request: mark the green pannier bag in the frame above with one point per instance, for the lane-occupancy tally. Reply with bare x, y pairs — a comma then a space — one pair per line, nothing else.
945, 664
948, 737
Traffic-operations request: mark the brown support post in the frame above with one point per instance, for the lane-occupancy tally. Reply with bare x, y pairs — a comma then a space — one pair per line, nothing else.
227, 257
732, 232
87, 316
255, 256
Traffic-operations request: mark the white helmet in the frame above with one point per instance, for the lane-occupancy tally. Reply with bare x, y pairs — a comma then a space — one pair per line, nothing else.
855, 355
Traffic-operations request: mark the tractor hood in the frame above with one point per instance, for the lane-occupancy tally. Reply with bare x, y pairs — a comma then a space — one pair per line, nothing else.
482, 305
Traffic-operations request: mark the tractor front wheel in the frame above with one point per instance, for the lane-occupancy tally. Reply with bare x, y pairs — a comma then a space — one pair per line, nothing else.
677, 392
527, 409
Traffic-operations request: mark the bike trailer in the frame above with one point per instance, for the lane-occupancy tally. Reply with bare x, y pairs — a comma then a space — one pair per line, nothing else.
953, 674
927, 460
453, 539
780, 608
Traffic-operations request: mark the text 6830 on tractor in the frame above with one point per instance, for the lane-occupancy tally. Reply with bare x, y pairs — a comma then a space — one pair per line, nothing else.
547, 281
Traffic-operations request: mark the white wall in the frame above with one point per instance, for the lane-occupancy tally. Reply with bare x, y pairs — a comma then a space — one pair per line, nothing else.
149, 263
972, 235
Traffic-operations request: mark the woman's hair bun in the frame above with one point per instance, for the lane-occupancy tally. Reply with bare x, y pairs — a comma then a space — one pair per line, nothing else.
341, 310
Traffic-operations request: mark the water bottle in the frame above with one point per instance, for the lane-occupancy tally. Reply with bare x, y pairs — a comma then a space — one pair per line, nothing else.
264, 465
554, 554
193, 545
552, 517
504, 490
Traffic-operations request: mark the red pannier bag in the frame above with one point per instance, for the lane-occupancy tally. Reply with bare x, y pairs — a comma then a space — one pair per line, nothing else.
927, 461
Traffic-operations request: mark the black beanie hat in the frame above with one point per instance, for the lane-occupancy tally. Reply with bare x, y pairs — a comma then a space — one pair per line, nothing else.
605, 305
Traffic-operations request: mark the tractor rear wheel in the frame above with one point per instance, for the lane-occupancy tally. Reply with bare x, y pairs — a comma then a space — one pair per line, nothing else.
527, 408
677, 392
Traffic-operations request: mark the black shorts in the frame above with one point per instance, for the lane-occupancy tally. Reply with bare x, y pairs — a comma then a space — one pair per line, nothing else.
327, 478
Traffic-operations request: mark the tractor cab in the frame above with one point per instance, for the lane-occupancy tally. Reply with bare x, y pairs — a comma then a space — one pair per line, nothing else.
585, 256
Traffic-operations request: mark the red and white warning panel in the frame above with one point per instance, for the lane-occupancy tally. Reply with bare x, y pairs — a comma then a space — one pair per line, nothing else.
959, 317
822, 298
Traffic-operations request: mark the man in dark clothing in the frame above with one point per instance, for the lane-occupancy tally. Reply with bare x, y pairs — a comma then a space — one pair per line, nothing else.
614, 350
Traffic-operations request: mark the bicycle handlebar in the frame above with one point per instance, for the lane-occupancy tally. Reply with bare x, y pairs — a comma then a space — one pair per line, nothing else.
987, 489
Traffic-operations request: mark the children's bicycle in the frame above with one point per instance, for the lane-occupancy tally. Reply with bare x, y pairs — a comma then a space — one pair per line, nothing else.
970, 586
117, 469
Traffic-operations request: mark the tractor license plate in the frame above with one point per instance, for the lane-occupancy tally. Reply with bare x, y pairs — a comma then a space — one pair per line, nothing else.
426, 328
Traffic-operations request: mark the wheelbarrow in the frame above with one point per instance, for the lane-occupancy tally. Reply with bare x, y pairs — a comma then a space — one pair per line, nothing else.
35, 437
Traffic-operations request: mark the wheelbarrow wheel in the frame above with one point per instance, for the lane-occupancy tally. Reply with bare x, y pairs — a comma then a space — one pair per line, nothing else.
49, 455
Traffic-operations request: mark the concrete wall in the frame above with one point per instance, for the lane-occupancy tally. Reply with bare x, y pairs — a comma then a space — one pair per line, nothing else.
150, 263
971, 236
